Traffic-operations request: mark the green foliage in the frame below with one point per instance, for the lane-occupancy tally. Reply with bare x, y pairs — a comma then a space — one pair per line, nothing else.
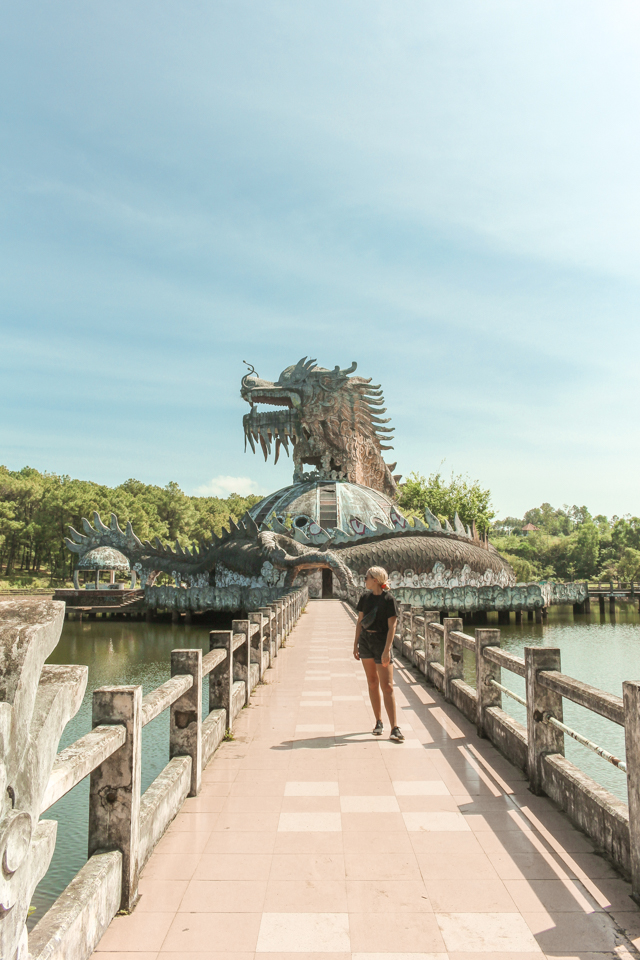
459, 495
570, 544
36, 510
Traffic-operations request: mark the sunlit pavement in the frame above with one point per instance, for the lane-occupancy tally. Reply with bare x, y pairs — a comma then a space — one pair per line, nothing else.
312, 837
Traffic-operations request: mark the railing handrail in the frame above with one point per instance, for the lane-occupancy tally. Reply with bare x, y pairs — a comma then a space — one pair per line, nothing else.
463, 639
510, 661
605, 704
160, 699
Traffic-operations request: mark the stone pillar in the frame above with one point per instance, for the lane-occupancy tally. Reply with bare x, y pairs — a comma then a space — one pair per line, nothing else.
185, 724
601, 603
267, 614
631, 695
503, 616
518, 616
452, 655
406, 622
221, 677
487, 695
538, 614
432, 637
542, 737
175, 616
529, 614
114, 786
257, 640
187, 616
612, 606
242, 657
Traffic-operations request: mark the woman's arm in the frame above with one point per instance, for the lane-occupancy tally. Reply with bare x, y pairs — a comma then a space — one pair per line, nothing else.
385, 659
355, 642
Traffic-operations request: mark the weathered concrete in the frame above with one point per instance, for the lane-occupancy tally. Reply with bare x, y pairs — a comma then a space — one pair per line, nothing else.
74, 925
160, 803
486, 694
185, 723
631, 695
36, 701
75, 762
542, 738
221, 677
114, 790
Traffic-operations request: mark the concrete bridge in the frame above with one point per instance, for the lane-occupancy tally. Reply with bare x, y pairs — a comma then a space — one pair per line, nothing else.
304, 835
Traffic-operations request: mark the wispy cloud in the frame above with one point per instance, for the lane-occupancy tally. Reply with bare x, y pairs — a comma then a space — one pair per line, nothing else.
224, 486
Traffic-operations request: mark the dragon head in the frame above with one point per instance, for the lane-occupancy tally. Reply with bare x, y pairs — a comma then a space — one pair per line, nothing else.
331, 419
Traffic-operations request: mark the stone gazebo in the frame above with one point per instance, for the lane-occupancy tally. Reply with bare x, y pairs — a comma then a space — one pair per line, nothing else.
103, 560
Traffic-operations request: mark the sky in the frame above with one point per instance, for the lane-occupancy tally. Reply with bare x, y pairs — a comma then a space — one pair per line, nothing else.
447, 193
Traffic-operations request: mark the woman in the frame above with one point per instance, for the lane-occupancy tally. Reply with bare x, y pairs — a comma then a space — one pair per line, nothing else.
375, 629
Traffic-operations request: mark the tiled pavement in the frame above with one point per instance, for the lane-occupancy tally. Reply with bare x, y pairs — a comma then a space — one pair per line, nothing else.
311, 837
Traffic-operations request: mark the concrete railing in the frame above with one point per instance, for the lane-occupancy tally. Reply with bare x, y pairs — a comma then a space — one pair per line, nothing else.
538, 748
124, 826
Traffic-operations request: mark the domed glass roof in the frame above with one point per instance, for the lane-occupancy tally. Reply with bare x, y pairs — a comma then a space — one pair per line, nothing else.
317, 505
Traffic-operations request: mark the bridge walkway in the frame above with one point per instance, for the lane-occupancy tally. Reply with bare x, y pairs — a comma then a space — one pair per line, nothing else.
311, 837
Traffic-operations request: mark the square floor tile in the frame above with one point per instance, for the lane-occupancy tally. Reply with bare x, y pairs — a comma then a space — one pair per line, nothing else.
314, 728
311, 788
483, 895
137, 931
311, 896
390, 896
304, 933
389, 932
420, 788
316, 822
484, 932
436, 822
222, 932
369, 804
224, 896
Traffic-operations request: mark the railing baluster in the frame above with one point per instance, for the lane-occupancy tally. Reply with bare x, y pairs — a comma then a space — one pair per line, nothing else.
114, 787
185, 725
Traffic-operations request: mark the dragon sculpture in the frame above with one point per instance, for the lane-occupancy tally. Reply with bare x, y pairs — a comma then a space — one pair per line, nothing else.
333, 421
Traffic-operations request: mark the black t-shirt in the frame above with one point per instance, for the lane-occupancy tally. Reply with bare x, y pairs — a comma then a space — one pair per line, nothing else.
386, 607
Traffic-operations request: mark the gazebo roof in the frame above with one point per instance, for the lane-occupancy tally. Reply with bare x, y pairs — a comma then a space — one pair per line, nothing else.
103, 558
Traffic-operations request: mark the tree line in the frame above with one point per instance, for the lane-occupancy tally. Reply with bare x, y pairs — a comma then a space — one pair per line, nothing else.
36, 510
567, 544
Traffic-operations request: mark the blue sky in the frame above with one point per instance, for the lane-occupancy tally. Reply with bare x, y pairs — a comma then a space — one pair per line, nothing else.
445, 192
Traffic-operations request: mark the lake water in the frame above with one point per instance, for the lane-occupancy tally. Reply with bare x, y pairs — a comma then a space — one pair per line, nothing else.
600, 652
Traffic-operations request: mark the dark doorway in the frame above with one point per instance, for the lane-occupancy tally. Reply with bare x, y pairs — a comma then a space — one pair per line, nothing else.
327, 584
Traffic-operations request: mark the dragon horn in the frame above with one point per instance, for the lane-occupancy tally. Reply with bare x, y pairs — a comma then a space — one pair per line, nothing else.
100, 526
337, 372
76, 536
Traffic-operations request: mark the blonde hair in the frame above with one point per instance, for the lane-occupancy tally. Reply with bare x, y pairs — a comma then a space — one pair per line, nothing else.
379, 574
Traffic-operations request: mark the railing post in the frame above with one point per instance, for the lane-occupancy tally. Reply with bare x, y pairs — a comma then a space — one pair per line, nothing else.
114, 786
267, 612
453, 666
242, 657
405, 624
431, 638
542, 738
221, 677
631, 696
185, 723
256, 640
486, 694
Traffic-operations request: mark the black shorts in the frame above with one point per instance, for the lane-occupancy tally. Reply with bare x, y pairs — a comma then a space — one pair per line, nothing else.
370, 645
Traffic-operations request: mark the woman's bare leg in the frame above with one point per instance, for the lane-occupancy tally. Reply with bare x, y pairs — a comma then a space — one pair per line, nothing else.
371, 672
385, 678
